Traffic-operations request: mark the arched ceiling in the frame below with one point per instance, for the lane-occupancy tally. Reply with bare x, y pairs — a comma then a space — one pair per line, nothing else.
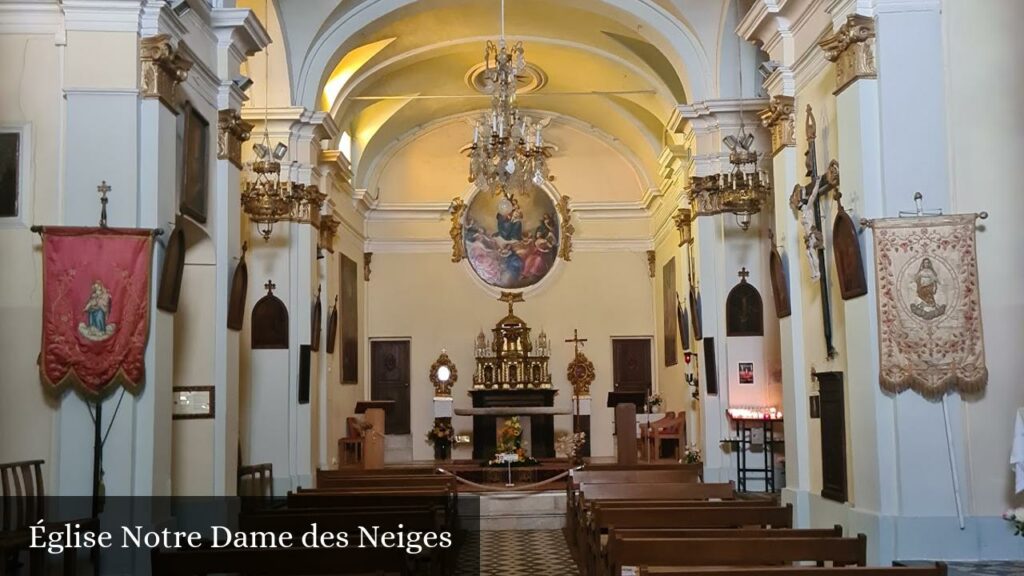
387, 68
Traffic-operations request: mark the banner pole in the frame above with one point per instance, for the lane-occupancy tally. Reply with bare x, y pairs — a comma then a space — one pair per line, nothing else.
952, 463
97, 457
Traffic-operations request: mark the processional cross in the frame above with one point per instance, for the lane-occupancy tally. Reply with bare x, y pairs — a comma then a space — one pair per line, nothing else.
576, 341
805, 200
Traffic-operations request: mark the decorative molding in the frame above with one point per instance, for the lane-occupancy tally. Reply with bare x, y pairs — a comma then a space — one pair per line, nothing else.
29, 18
683, 219
852, 49
367, 259
163, 68
457, 210
231, 132
652, 259
444, 246
565, 214
101, 15
780, 119
328, 231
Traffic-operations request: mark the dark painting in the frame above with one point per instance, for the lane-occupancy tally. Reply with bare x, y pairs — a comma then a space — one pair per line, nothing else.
269, 323
744, 311
780, 285
349, 321
669, 311
10, 150
195, 157
846, 249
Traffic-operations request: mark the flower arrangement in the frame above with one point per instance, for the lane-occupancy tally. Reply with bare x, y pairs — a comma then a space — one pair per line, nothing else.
572, 445
510, 445
1016, 517
692, 455
441, 433
653, 401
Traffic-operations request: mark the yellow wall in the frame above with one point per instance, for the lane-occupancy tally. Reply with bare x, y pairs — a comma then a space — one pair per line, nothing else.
438, 305
30, 95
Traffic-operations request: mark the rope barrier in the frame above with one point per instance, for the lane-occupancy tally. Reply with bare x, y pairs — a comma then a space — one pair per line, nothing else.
523, 488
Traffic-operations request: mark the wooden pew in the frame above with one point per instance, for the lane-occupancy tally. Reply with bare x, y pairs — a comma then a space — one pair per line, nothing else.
703, 515
631, 476
281, 561
653, 491
336, 520
679, 552
390, 471
938, 569
388, 481
376, 498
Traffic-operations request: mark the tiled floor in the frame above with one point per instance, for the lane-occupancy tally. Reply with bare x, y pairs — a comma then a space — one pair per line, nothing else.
986, 568
516, 553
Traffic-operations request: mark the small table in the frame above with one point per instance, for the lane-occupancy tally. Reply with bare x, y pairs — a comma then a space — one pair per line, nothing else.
744, 429
373, 439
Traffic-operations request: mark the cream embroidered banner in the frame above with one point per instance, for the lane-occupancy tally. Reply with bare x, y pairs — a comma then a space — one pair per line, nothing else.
929, 309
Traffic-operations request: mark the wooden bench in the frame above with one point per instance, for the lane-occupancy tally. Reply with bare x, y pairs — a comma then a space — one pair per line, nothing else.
377, 498
322, 475
352, 521
704, 515
589, 493
577, 477
282, 561
679, 552
938, 569
388, 481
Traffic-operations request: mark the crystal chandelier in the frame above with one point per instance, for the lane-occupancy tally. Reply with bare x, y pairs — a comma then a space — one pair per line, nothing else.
508, 155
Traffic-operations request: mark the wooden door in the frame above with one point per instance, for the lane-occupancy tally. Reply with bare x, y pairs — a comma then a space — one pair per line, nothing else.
833, 436
631, 364
389, 380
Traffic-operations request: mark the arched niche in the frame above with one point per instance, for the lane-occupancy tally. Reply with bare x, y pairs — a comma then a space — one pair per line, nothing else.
269, 322
744, 311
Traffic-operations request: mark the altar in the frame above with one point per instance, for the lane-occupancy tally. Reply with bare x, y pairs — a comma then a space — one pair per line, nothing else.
492, 407
512, 379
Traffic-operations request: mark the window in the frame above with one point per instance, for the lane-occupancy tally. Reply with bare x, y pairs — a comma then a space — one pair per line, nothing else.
15, 176
10, 174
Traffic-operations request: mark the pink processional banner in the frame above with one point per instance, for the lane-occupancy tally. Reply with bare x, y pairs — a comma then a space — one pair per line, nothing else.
96, 290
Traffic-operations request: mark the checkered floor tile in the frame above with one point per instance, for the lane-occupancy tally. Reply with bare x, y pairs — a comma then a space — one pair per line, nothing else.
984, 568
516, 553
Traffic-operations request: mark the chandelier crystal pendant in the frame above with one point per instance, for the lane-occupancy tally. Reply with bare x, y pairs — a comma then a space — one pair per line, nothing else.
508, 155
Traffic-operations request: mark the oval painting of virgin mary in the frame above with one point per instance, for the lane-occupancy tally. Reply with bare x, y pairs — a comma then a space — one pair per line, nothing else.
511, 242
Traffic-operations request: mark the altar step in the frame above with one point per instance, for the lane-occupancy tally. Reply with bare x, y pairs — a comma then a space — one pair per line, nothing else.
397, 449
513, 510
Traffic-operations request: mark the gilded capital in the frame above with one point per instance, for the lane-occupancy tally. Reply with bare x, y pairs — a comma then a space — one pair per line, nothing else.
852, 49
163, 67
231, 132
780, 119
683, 218
328, 230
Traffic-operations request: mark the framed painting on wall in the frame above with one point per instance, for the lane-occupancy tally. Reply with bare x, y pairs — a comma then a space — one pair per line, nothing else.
669, 310
195, 164
349, 321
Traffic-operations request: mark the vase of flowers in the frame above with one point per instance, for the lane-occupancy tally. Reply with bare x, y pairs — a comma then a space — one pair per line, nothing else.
441, 436
653, 403
1015, 516
572, 446
510, 445
692, 455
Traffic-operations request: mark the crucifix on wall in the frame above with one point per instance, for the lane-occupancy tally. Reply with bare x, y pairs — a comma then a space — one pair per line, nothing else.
806, 202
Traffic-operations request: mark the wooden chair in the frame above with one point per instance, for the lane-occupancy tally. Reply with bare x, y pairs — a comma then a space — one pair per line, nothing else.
23, 504
671, 428
351, 444
256, 485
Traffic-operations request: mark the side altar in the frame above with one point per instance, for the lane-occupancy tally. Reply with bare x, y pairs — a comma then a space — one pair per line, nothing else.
512, 379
